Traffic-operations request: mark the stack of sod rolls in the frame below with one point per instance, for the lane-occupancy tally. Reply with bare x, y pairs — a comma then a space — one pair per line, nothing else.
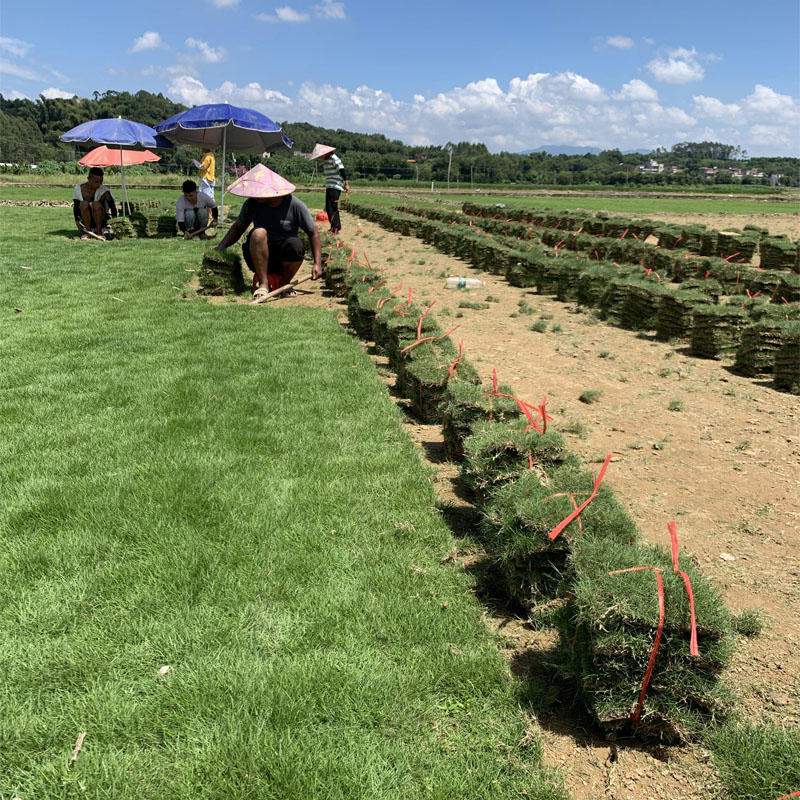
778, 253
611, 626
221, 272
428, 370
759, 345
534, 568
676, 313
787, 360
466, 405
717, 330
122, 228
498, 453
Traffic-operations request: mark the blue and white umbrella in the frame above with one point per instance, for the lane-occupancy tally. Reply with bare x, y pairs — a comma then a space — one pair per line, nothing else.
221, 124
119, 132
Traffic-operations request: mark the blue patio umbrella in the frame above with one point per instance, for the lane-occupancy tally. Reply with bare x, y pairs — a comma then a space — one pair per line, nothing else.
221, 124
120, 132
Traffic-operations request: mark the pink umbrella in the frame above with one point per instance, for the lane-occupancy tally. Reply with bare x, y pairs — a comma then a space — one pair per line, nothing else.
110, 157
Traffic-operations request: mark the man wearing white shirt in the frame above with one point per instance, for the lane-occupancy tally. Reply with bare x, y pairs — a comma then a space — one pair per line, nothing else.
191, 210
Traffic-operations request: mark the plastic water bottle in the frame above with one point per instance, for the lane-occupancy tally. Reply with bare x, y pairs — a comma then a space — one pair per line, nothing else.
463, 283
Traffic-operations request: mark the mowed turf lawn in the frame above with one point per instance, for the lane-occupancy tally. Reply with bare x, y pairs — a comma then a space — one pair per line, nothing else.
226, 491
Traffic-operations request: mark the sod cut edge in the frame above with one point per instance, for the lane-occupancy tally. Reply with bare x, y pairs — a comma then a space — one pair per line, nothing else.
229, 492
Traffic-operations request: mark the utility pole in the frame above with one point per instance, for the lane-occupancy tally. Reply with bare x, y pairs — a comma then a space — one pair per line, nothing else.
449, 149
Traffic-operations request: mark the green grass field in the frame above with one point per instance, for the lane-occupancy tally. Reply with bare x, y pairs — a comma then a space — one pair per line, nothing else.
226, 491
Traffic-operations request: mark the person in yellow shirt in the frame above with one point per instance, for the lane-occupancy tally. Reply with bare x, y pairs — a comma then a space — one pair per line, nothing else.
206, 172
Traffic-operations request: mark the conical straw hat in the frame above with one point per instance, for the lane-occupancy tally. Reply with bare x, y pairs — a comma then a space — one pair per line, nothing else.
320, 150
261, 182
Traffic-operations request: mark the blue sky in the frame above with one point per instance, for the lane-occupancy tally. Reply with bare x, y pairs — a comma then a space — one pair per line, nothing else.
514, 75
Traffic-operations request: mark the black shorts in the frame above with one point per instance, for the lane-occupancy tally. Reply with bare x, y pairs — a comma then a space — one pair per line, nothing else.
290, 250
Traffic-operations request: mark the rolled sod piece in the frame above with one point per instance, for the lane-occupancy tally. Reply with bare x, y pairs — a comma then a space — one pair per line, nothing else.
760, 344
533, 568
608, 632
787, 360
640, 308
221, 272
498, 453
675, 315
736, 246
466, 404
362, 306
717, 331
613, 300
122, 228
778, 253
426, 375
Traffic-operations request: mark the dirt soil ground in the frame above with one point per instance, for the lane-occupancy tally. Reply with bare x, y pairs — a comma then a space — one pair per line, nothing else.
725, 465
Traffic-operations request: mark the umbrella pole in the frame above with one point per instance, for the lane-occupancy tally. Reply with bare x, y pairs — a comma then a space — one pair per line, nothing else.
124, 193
222, 196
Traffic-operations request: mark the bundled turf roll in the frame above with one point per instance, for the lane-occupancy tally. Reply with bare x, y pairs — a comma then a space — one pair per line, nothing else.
336, 268
613, 300
465, 405
427, 376
533, 568
675, 315
778, 253
122, 228
609, 630
221, 272
166, 226
717, 330
736, 246
759, 345
787, 360
498, 453
640, 308
362, 306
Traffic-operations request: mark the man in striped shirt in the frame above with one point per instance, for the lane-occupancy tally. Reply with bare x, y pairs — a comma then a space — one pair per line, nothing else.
335, 182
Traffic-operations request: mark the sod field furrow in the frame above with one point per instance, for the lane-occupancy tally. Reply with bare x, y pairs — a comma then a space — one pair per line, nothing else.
226, 491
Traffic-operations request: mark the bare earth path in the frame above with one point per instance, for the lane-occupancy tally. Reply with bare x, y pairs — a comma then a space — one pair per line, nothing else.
726, 467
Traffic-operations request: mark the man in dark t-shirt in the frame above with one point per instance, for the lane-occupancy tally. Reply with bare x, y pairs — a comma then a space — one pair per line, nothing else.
273, 250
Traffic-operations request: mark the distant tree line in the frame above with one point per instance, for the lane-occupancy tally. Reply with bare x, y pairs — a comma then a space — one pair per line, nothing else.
29, 132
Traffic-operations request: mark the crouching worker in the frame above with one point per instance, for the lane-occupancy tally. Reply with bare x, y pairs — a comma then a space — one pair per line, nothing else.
273, 250
92, 205
191, 210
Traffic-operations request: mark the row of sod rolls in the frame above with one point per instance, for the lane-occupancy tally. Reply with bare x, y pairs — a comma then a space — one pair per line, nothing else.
672, 298
527, 485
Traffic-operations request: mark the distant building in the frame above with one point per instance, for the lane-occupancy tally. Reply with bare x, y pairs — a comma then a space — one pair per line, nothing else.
651, 166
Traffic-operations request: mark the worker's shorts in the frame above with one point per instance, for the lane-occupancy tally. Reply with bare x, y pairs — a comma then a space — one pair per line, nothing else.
280, 251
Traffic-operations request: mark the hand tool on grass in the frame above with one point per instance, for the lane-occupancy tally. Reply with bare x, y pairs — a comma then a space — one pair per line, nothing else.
202, 230
269, 295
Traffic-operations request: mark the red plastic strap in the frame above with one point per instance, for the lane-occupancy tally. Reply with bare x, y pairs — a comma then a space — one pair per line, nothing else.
424, 314
373, 288
457, 361
673, 535
676, 242
564, 522
597, 255
624, 234
369, 266
384, 300
787, 796
728, 259
635, 236
656, 642
430, 339
571, 496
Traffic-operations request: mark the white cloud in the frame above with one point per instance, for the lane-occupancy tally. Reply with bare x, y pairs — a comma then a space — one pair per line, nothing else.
225, 3
15, 47
15, 95
636, 90
620, 42
330, 10
210, 54
716, 109
52, 94
284, 14
147, 41
18, 70
680, 66
541, 108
